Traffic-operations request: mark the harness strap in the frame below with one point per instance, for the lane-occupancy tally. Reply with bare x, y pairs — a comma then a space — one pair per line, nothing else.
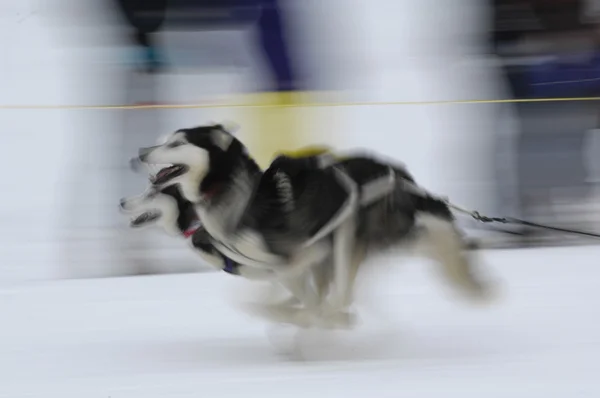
516, 221
231, 267
500, 220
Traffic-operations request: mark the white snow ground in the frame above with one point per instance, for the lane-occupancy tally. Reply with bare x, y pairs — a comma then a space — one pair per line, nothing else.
180, 336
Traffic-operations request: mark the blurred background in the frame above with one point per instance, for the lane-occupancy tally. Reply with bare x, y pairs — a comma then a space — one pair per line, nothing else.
437, 85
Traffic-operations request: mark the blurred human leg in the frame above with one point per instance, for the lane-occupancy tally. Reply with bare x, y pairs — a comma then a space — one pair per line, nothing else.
275, 123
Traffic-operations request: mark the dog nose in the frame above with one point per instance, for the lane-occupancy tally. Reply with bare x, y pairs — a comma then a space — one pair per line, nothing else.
143, 153
122, 203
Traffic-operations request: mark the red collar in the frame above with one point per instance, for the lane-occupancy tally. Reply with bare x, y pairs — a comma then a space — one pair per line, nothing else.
191, 230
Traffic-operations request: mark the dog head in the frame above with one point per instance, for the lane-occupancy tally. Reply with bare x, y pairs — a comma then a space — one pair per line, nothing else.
197, 157
166, 208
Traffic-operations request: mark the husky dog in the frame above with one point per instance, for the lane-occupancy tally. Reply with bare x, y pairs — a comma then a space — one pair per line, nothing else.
296, 216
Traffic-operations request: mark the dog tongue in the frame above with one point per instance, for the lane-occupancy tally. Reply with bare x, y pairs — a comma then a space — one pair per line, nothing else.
164, 172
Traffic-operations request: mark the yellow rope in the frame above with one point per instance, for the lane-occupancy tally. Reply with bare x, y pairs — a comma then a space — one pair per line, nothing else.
308, 105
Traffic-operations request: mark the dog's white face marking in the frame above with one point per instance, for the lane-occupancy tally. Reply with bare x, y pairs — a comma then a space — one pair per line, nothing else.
176, 150
152, 209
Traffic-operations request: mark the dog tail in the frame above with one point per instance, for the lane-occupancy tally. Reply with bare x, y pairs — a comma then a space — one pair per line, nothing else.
441, 241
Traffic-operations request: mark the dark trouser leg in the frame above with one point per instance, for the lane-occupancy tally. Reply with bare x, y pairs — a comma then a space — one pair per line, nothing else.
271, 127
145, 17
275, 46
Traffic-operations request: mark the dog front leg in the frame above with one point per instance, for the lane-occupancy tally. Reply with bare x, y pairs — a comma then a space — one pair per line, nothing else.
297, 278
304, 315
302, 308
323, 275
320, 276
301, 289
343, 248
358, 257
345, 261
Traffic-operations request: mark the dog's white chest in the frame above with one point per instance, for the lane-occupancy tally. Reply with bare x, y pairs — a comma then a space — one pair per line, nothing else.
245, 247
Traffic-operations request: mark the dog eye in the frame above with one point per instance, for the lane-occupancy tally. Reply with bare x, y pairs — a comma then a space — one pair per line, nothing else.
175, 144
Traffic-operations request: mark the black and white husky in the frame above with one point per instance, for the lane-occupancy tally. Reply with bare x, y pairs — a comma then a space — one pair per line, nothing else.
299, 215
167, 209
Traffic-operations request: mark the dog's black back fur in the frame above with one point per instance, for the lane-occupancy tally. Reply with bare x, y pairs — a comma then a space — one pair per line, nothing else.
293, 203
391, 218
294, 198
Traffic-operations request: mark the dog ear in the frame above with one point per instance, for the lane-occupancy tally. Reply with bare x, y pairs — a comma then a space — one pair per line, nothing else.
221, 139
163, 138
230, 127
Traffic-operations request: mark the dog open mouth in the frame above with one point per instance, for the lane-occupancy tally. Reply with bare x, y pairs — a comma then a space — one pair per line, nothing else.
168, 173
145, 218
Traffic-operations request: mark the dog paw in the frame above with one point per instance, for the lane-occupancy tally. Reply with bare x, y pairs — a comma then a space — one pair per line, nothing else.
281, 314
343, 320
485, 293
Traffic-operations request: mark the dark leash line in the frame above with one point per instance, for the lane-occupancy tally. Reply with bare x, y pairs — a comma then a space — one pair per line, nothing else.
516, 221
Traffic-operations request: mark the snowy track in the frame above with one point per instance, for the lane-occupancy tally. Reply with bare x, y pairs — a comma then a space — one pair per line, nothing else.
180, 336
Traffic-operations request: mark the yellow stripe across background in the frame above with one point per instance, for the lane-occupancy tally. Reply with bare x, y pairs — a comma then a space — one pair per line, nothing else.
296, 105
